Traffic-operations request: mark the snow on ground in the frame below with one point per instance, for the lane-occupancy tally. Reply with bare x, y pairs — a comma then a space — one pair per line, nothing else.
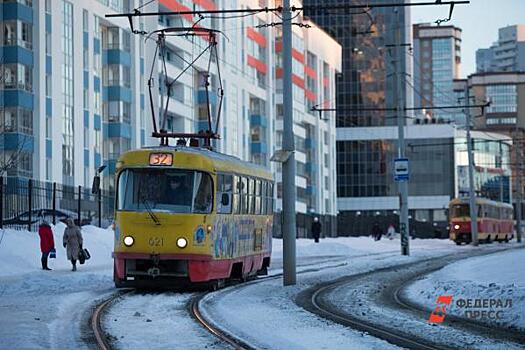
274, 321
45, 309
497, 276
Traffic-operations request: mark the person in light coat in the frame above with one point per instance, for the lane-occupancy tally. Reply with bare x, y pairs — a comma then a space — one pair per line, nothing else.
72, 242
391, 232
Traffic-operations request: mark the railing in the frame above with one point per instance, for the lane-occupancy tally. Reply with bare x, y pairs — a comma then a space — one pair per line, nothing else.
24, 203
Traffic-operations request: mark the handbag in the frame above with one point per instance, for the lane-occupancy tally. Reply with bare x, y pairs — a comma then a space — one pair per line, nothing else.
87, 256
52, 253
83, 255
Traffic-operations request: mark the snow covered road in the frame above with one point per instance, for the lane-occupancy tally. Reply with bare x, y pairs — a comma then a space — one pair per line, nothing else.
274, 321
497, 277
50, 309
47, 309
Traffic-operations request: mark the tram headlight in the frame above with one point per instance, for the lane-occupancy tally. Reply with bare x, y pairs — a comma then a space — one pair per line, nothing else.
456, 227
182, 242
128, 241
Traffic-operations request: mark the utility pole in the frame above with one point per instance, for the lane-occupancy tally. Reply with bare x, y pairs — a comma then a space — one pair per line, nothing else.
472, 195
400, 108
288, 179
501, 199
518, 188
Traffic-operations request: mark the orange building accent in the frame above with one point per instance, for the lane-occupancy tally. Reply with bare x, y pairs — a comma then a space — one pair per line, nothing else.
256, 36
175, 6
260, 66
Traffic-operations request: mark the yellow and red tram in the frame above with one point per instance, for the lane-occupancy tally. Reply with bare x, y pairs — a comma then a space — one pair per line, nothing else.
187, 215
495, 220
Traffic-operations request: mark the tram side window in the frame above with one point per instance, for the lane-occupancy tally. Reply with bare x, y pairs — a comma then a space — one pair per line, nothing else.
269, 199
244, 195
236, 195
224, 188
257, 197
263, 197
251, 196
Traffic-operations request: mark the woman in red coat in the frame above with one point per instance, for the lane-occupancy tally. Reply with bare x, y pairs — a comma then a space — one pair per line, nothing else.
47, 243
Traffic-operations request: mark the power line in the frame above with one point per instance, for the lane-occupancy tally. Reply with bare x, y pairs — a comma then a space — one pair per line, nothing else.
314, 8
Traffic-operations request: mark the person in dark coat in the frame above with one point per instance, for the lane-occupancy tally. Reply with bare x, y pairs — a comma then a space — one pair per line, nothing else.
316, 229
47, 243
376, 232
73, 241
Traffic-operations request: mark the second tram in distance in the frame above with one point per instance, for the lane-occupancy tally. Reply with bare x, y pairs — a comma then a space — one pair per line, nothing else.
495, 221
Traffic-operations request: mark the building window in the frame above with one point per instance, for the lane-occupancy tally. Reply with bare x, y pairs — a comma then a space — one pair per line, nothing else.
503, 98
68, 124
16, 119
18, 33
17, 77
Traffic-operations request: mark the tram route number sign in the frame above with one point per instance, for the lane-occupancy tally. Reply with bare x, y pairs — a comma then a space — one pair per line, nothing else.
161, 159
401, 173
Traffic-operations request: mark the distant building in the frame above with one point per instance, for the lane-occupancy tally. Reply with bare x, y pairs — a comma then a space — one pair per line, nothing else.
506, 114
438, 165
365, 83
437, 60
505, 55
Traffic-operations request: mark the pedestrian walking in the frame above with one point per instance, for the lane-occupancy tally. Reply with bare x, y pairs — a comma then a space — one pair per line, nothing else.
376, 232
47, 243
316, 229
72, 242
391, 232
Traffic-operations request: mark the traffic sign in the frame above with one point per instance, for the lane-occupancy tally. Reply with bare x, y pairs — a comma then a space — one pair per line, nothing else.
401, 172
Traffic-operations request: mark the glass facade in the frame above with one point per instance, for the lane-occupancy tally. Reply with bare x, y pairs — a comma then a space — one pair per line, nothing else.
503, 98
442, 74
365, 65
492, 169
365, 168
68, 126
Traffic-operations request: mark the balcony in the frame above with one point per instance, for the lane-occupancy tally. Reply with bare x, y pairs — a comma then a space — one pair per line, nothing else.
258, 120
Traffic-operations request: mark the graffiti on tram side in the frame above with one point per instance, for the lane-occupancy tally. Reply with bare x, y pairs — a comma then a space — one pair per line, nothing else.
232, 237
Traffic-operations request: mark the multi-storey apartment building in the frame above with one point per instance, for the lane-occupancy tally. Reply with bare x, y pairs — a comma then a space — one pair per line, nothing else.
505, 55
75, 95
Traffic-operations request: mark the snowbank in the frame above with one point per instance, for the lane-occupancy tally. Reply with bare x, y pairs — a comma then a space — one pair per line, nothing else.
20, 250
496, 276
351, 246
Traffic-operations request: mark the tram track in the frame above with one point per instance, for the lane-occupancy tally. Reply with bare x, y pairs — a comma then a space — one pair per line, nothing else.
317, 301
103, 340
194, 307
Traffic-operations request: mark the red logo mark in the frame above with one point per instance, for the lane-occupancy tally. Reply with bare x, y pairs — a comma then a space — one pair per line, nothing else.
438, 315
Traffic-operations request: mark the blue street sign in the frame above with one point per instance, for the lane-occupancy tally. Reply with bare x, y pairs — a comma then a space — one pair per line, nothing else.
401, 172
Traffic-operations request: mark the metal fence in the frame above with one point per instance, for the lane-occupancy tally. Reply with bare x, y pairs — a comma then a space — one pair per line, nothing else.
24, 203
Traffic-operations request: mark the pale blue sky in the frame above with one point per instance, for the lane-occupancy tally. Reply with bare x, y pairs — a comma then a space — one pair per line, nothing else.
479, 22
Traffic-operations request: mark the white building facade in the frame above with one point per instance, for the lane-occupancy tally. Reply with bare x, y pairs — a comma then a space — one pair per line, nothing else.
76, 93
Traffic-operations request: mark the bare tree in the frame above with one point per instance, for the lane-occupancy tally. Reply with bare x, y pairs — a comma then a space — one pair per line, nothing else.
14, 159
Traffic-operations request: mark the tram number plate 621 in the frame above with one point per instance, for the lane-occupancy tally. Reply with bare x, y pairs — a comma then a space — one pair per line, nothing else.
156, 242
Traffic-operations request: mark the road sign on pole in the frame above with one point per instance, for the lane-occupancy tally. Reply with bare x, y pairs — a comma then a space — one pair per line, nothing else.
401, 172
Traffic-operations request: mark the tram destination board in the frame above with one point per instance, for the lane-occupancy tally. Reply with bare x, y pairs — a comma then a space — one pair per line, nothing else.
401, 172
161, 159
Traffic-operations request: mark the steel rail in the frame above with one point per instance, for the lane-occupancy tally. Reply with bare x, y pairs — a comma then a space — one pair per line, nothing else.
324, 309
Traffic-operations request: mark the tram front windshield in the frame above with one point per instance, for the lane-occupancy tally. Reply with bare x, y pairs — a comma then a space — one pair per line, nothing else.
459, 210
170, 190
